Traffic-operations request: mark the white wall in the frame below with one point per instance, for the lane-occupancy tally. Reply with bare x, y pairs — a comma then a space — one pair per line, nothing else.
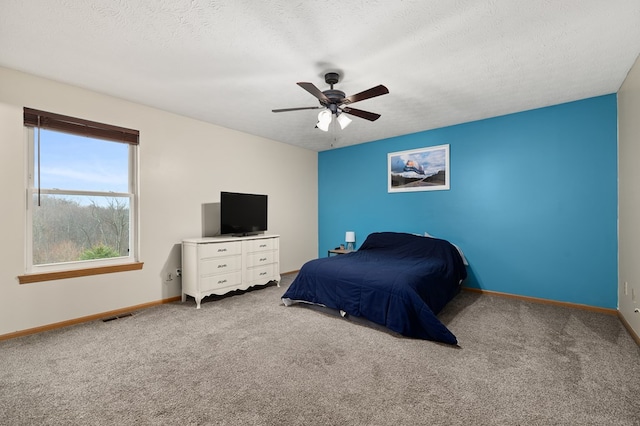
184, 164
629, 197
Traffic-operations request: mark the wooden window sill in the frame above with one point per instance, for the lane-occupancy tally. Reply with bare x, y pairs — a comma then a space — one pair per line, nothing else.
59, 275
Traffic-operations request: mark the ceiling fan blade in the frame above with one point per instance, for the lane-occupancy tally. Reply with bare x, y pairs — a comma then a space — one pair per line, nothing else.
367, 94
311, 88
295, 109
371, 116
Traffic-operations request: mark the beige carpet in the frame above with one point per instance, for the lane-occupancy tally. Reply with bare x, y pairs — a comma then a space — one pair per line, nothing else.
248, 360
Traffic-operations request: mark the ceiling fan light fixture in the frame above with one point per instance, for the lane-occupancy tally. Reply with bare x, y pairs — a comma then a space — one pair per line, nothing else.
343, 120
324, 119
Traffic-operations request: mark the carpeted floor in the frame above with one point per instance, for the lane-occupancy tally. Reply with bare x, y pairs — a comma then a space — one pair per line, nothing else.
248, 360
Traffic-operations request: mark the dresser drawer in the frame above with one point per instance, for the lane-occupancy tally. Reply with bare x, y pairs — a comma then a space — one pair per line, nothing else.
220, 265
215, 282
261, 244
261, 258
219, 249
261, 274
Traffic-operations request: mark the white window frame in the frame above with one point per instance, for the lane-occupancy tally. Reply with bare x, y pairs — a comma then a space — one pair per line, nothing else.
31, 190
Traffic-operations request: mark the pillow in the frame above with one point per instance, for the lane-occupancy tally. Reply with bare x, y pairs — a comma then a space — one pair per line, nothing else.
464, 259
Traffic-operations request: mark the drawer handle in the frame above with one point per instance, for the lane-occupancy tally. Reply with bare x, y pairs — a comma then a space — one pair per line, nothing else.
262, 259
222, 281
262, 245
221, 250
224, 265
263, 273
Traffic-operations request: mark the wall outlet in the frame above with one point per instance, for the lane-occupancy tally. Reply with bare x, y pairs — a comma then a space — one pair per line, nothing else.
626, 288
178, 272
169, 277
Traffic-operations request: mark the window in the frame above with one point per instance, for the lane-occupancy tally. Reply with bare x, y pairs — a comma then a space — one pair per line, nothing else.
81, 197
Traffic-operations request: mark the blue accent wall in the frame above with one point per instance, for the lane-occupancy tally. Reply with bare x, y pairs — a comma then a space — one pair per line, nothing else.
533, 199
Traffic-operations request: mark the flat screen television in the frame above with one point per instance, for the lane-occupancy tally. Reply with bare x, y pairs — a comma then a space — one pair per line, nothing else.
242, 214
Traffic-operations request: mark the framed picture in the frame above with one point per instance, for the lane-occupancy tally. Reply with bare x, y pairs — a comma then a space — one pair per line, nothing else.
424, 169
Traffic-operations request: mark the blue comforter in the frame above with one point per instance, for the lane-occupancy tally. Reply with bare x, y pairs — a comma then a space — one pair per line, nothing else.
397, 280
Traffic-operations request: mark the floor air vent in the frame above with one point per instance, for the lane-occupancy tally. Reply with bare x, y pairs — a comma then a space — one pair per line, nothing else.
117, 317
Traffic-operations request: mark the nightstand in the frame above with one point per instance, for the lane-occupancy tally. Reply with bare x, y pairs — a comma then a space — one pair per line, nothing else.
338, 251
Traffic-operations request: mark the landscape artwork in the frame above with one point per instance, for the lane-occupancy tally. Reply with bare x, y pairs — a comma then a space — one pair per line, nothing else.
424, 169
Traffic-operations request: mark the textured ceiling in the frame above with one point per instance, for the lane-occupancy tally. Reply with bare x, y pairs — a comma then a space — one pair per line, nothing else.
230, 62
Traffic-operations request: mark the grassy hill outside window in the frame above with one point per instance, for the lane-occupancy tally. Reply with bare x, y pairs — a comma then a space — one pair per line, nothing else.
81, 197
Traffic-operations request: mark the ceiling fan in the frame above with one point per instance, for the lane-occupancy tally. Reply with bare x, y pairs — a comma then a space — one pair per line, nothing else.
333, 102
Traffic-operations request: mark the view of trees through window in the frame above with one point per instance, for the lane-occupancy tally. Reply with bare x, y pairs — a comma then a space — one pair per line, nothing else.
81, 187
72, 228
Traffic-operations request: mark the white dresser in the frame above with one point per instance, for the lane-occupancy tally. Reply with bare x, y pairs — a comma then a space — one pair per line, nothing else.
218, 265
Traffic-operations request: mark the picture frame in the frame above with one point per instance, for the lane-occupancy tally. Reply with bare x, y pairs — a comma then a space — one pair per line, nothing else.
423, 169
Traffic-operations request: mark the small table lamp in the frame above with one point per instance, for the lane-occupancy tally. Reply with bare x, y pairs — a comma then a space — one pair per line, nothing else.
350, 238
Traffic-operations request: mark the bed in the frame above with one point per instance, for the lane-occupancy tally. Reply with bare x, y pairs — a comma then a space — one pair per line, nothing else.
397, 280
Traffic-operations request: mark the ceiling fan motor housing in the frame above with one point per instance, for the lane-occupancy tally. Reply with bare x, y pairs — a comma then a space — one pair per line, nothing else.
335, 97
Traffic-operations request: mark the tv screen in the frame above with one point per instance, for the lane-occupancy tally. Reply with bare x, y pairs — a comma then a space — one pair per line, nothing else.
242, 214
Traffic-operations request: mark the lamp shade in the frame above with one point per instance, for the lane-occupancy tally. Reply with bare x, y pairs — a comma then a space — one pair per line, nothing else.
324, 119
350, 237
343, 120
